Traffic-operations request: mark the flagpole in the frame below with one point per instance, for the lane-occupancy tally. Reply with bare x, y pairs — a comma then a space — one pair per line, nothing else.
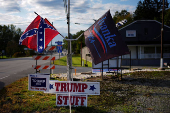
69, 57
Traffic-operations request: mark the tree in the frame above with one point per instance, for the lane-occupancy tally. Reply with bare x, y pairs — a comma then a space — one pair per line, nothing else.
76, 45
167, 17
124, 14
9, 34
148, 9
12, 47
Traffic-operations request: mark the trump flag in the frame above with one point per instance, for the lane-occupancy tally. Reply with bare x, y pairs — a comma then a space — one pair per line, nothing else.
38, 34
103, 40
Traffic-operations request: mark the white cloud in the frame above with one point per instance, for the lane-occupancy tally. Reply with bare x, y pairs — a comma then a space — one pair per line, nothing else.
10, 5
82, 11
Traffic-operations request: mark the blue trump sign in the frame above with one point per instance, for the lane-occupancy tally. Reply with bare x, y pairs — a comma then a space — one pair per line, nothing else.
38, 82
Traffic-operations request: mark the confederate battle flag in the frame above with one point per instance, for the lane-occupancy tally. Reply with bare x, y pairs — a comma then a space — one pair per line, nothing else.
103, 40
38, 34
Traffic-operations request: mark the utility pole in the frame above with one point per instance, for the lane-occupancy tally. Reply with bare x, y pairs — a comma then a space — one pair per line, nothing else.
162, 35
69, 56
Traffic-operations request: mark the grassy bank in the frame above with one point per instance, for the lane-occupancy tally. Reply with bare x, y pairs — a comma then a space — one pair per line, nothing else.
76, 61
138, 92
4, 57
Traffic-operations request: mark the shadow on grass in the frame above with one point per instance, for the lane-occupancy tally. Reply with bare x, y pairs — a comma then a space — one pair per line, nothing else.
82, 110
3, 92
2, 84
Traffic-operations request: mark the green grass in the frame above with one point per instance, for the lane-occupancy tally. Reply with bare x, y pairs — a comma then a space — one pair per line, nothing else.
76, 61
4, 57
114, 96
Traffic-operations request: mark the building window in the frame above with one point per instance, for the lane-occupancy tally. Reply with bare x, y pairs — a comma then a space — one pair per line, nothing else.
130, 33
149, 50
166, 49
158, 49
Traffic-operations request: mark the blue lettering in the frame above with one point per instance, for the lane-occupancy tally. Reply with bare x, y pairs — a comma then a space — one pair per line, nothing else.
91, 38
103, 27
112, 44
102, 21
106, 33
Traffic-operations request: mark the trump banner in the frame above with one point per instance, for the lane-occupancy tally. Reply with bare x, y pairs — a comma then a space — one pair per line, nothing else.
72, 87
103, 40
38, 34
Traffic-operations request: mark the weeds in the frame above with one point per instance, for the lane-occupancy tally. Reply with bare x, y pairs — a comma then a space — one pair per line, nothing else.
115, 96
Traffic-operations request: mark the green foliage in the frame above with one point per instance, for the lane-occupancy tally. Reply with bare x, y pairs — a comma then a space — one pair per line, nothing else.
18, 54
167, 17
76, 45
124, 14
11, 48
9, 38
29, 53
148, 9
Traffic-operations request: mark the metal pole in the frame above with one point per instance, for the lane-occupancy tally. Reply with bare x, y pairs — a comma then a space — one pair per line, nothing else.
102, 71
162, 29
121, 67
81, 53
36, 63
69, 65
51, 56
130, 61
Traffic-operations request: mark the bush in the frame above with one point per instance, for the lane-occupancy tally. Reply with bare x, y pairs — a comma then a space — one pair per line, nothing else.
27, 53
18, 54
76, 55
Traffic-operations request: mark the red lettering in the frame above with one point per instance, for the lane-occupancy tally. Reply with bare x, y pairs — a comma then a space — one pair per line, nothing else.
59, 101
82, 100
77, 87
77, 100
37, 88
74, 100
63, 87
84, 86
69, 87
65, 98
73, 97
57, 86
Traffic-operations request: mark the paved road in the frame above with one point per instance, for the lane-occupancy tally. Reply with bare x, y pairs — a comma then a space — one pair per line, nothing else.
16, 68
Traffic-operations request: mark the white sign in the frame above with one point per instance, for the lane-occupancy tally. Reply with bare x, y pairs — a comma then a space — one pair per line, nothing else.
75, 100
130, 33
38, 82
113, 63
83, 88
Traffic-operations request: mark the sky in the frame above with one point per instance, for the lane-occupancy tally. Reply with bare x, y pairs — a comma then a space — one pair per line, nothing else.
21, 13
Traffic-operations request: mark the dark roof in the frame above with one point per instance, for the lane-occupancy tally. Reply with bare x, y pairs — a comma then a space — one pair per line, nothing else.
147, 32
